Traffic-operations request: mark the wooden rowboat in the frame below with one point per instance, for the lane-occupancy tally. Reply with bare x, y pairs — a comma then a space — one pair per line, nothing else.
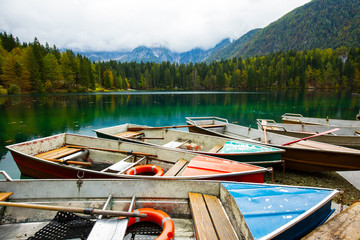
76, 156
196, 209
346, 136
241, 151
309, 156
294, 118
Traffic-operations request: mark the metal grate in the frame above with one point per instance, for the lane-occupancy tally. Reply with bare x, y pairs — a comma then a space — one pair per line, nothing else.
64, 226
143, 231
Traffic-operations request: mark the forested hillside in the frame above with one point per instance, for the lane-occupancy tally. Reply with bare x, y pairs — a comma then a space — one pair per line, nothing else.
318, 24
233, 48
33, 67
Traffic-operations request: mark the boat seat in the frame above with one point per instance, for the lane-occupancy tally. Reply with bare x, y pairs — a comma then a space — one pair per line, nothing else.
264, 124
119, 166
129, 134
122, 165
212, 125
210, 219
271, 128
110, 228
216, 149
5, 195
58, 153
176, 169
173, 144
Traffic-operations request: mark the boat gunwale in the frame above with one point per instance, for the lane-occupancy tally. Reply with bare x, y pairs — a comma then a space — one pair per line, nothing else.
293, 118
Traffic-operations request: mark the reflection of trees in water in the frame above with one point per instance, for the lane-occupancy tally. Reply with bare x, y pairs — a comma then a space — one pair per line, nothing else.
27, 116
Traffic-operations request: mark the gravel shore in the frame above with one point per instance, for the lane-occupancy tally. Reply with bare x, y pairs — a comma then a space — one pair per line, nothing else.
324, 180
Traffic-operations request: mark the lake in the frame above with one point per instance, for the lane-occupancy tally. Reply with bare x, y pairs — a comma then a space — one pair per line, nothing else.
25, 117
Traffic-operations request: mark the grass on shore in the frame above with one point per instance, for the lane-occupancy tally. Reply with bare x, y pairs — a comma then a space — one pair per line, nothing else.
324, 180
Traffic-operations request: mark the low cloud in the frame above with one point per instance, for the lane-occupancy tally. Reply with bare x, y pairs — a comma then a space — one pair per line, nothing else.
111, 25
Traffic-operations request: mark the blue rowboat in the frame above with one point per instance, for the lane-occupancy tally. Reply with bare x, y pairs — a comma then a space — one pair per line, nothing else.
237, 150
281, 212
242, 210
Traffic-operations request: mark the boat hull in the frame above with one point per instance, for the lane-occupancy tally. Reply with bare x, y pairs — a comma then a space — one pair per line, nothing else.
36, 167
309, 160
345, 141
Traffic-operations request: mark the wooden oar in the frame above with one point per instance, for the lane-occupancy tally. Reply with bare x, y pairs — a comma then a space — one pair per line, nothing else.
264, 126
153, 128
68, 162
90, 211
181, 126
161, 138
113, 150
316, 135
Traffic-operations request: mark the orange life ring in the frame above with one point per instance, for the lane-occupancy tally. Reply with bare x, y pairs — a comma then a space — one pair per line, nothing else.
146, 168
160, 218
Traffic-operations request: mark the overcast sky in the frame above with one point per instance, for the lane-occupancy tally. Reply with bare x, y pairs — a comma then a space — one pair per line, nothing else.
109, 25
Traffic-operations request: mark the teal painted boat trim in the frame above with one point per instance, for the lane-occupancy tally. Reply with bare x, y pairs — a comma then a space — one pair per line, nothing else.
244, 147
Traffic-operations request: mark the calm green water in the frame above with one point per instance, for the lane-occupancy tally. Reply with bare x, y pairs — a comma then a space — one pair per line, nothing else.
32, 116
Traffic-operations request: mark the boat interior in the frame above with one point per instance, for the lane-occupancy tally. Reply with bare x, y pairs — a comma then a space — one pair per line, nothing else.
165, 137
270, 124
247, 133
206, 207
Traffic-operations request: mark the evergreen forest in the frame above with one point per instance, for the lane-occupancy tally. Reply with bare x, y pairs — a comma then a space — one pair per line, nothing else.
32, 67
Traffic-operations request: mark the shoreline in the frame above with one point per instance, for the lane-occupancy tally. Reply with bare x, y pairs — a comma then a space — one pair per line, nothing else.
331, 180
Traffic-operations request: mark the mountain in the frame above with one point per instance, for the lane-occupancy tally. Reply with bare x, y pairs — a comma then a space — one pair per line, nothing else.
233, 48
200, 55
157, 54
317, 24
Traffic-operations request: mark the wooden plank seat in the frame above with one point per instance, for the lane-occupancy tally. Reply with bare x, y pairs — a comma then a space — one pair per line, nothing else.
5, 195
209, 218
216, 148
212, 125
271, 127
128, 134
58, 153
264, 124
176, 169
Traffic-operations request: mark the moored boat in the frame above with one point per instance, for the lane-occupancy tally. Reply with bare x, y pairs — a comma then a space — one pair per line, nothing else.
295, 118
345, 136
76, 156
309, 156
252, 153
242, 210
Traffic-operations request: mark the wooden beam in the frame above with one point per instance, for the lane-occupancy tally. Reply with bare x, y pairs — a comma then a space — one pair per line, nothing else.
204, 228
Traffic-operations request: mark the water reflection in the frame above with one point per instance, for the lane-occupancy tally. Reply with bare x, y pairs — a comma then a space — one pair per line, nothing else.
27, 117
